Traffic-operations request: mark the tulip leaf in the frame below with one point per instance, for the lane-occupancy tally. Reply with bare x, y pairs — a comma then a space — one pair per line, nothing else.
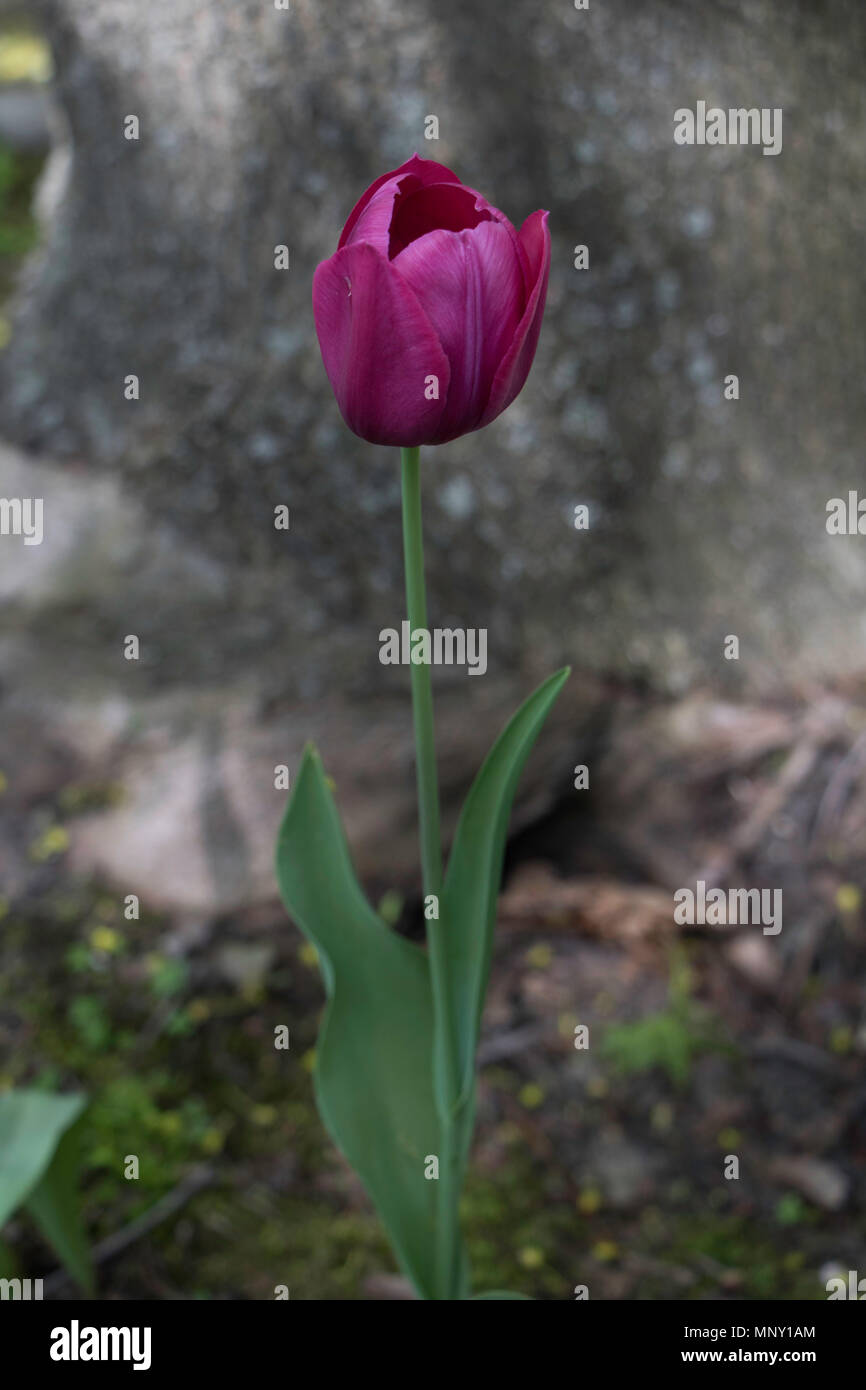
468, 911
31, 1125
39, 1170
55, 1208
373, 1058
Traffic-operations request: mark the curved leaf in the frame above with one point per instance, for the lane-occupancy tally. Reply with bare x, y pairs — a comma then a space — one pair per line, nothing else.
55, 1207
39, 1169
31, 1126
468, 914
374, 1081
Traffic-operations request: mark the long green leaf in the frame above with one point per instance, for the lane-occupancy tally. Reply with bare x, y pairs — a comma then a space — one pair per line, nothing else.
468, 911
55, 1207
31, 1126
39, 1169
373, 1058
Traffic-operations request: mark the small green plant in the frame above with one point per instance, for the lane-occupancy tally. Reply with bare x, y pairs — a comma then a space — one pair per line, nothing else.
88, 1017
671, 1039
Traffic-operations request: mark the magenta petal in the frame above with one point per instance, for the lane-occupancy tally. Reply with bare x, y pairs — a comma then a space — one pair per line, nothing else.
423, 171
535, 240
446, 207
373, 224
470, 285
378, 347
517, 360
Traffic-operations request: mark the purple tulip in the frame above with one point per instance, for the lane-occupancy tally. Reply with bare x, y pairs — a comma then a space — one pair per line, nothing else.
429, 311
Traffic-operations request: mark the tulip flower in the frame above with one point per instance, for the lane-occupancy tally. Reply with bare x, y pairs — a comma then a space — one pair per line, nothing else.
428, 316
429, 311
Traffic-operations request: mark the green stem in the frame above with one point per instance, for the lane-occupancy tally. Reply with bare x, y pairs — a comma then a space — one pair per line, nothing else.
422, 690
445, 1066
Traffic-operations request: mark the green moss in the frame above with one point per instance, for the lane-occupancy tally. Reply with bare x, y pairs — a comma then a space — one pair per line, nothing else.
743, 1247
520, 1235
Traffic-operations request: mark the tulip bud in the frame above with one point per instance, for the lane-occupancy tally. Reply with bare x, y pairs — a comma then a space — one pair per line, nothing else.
428, 313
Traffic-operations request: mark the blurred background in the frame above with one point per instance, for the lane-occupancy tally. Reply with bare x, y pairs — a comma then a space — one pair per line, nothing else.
154, 257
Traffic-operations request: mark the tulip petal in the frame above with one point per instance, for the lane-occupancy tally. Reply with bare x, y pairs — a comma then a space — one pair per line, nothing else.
452, 209
470, 285
374, 223
517, 359
431, 207
419, 171
378, 347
